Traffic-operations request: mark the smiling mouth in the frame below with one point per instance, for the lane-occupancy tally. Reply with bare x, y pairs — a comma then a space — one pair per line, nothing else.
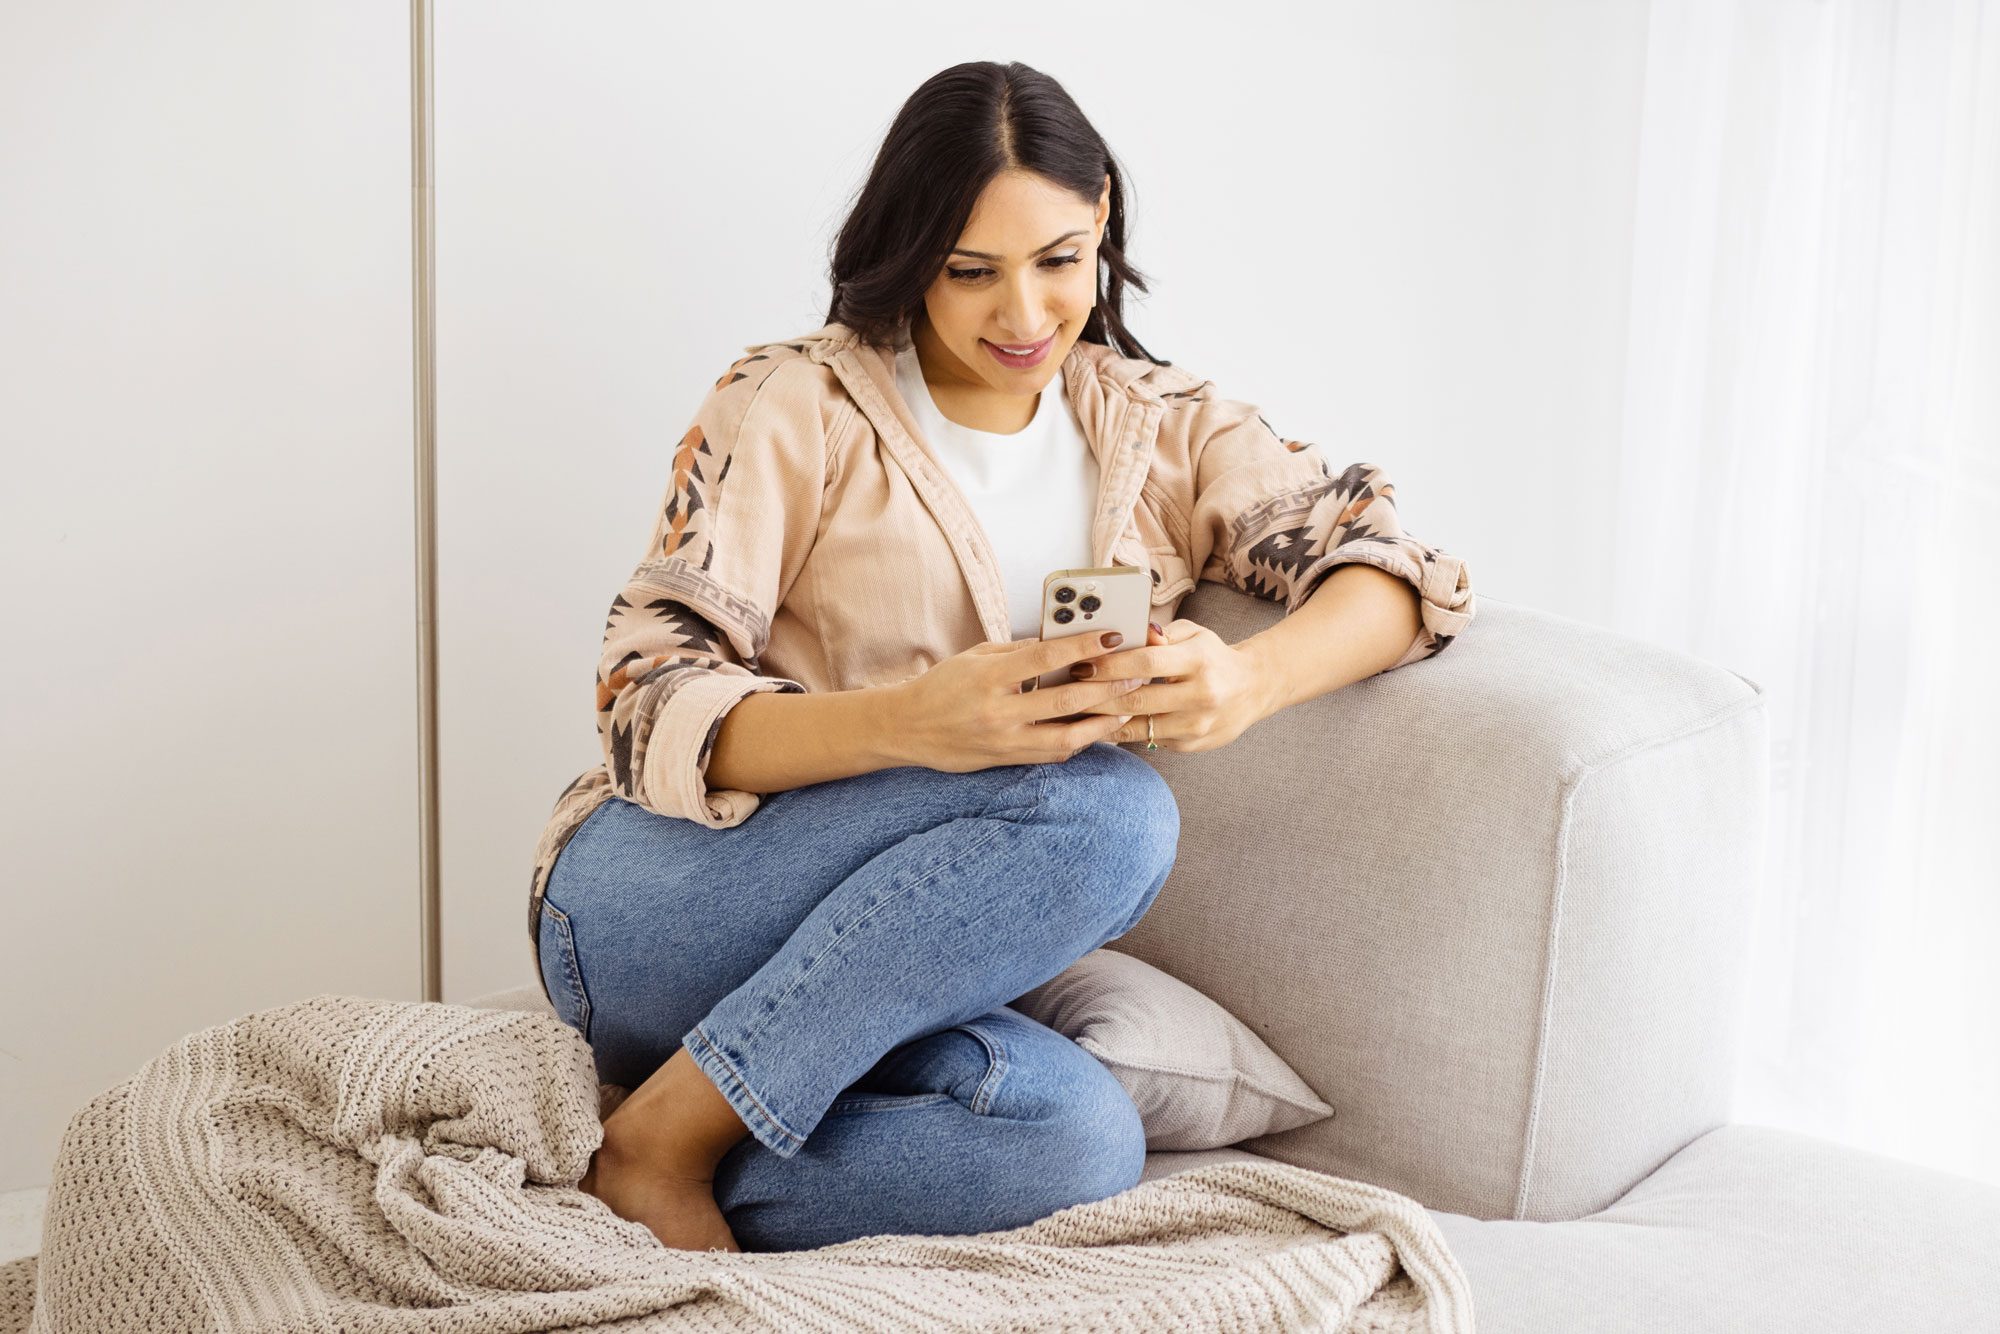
1020, 360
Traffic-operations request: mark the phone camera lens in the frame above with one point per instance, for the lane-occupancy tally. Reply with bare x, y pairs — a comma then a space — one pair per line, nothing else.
1062, 615
1090, 602
1065, 593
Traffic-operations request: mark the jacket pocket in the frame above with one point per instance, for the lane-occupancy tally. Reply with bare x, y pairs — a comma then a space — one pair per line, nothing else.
562, 976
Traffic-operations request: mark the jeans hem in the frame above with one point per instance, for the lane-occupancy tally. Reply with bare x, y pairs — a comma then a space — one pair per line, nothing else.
769, 1131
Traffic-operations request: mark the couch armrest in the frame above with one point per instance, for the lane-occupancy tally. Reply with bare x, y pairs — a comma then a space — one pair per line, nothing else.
1491, 906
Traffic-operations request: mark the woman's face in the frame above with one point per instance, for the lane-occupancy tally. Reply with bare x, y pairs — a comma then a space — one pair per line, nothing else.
1024, 271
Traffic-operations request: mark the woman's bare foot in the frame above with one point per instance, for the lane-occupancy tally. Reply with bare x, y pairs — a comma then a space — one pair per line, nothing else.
680, 1211
661, 1146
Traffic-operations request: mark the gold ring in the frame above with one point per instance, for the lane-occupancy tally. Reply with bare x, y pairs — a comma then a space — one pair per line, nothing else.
1149, 733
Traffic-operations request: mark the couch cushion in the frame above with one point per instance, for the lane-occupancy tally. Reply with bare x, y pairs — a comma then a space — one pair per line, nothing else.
1200, 1078
1167, 1162
515, 998
1748, 1228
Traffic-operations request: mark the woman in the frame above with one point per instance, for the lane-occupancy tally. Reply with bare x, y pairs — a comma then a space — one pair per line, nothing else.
836, 609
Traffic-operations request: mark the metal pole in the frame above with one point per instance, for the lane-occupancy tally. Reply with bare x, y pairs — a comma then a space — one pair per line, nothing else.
424, 248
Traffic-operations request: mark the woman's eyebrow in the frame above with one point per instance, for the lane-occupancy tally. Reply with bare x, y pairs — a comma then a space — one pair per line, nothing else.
981, 254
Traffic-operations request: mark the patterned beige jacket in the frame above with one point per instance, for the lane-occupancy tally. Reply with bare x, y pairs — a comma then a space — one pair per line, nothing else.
809, 540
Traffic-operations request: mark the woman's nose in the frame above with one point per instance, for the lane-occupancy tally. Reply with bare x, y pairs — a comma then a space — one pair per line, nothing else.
1021, 313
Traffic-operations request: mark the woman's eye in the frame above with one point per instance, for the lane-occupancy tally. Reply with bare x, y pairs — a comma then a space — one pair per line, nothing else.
1055, 262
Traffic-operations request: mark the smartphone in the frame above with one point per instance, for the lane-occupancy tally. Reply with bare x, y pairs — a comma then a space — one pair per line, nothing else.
1090, 602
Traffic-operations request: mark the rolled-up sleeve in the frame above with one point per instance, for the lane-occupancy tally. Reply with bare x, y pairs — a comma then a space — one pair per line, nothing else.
1272, 518
683, 638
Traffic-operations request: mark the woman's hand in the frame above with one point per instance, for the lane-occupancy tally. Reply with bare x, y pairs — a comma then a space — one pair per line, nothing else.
969, 712
1207, 693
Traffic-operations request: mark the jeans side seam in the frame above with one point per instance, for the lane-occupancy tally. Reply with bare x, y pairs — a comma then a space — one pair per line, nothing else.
571, 968
996, 1069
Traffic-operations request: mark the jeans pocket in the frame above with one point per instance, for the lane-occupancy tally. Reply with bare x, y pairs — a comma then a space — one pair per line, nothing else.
561, 974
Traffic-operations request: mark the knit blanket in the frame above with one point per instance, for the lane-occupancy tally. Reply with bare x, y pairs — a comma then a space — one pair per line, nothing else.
360, 1165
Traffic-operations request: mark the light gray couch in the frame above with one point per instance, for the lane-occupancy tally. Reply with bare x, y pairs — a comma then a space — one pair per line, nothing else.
1497, 921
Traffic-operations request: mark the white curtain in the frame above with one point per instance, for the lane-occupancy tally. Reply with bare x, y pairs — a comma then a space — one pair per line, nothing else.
1810, 493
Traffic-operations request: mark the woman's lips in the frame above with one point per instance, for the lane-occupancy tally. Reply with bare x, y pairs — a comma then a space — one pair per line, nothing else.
1013, 362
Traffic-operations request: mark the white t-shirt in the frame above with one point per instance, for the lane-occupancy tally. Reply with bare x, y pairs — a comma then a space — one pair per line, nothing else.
1033, 490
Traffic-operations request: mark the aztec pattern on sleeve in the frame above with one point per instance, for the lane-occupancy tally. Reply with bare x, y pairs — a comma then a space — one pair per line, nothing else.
654, 647
1281, 520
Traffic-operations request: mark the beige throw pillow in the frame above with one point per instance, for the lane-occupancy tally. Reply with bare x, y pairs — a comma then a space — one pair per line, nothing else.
1200, 1077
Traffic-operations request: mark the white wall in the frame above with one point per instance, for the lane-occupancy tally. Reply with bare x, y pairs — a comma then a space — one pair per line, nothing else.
207, 797
1401, 230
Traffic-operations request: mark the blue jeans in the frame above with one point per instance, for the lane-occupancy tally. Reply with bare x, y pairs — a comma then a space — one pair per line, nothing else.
839, 966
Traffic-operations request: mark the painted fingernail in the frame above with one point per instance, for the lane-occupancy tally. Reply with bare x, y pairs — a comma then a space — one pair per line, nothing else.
1082, 670
1156, 630
1112, 639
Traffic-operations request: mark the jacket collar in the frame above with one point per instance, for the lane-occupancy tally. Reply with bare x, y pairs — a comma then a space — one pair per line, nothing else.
1119, 413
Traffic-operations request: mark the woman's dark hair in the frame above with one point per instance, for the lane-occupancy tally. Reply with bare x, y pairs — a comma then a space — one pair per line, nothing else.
963, 127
